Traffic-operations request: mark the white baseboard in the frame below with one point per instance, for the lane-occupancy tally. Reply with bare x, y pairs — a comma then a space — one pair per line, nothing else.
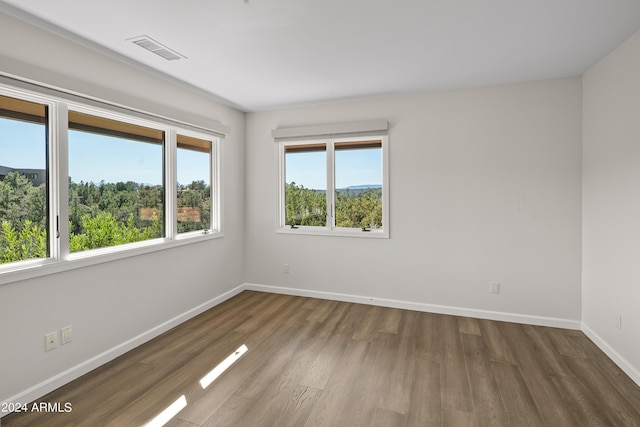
417, 306
50, 384
622, 363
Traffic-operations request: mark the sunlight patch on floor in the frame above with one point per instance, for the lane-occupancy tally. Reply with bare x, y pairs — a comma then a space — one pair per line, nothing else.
223, 366
165, 416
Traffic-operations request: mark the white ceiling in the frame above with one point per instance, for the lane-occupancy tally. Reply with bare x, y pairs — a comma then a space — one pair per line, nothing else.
271, 53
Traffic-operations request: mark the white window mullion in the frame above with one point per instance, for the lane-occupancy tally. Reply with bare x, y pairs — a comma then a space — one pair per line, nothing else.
214, 187
59, 191
385, 184
170, 184
331, 196
281, 162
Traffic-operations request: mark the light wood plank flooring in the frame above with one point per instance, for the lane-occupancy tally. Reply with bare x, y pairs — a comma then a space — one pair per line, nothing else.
314, 362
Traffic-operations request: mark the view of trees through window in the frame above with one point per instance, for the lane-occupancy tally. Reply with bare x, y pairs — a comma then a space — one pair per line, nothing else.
116, 192
23, 209
306, 185
116, 182
110, 214
357, 183
194, 199
23, 172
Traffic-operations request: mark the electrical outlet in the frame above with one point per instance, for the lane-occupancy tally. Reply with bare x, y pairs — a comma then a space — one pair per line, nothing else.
494, 287
66, 334
285, 268
51, 341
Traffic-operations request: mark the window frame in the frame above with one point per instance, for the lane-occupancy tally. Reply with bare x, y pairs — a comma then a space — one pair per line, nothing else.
215, 222
331, 229
52, 179
58, 104
118, 117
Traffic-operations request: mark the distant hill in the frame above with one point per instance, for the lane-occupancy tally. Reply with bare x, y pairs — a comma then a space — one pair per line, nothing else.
354, 189
360, 187
357, 189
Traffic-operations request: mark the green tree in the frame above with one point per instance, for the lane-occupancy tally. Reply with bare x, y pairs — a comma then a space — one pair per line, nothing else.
100, 215
28, 243
359, 209
23, 212
21, 201
196, 195
103, 230
137, 210
354, 209
304, 206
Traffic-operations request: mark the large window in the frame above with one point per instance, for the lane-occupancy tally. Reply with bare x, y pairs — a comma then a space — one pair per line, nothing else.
89, 182
335, 186
23, 180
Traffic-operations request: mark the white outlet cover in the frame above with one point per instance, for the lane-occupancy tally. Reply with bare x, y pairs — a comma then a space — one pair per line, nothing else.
50, 341
67, 334
494, 287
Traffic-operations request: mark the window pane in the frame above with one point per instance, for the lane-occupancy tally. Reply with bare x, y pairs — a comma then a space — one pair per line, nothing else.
23, 180
194, 184
116, 192
358, 175
306, 185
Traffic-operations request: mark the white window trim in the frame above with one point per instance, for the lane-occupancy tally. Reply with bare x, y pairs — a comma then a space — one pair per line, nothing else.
214, 187
330, 229
54, 177
60, 259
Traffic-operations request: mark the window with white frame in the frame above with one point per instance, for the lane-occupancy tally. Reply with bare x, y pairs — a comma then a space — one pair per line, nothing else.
24, 207
305, 185
88, 182
334, 186
195, 190
116, 189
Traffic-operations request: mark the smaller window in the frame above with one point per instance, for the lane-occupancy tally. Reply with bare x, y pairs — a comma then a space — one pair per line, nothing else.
195, 191
335, 186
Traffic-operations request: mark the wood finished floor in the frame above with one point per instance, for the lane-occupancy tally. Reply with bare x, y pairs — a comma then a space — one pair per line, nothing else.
315, 363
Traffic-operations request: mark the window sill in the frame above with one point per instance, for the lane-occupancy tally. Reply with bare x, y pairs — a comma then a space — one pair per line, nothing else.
36, 268
336, 232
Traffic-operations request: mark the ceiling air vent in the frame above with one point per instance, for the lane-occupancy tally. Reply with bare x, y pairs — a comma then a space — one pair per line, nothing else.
159, 49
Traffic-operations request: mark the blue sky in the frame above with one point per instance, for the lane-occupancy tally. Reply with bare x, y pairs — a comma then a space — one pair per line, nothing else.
22, 145
95, 157
352, 167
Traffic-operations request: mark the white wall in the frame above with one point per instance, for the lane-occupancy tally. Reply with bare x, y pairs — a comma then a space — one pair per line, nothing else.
485, 186
111, 303
611, 204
